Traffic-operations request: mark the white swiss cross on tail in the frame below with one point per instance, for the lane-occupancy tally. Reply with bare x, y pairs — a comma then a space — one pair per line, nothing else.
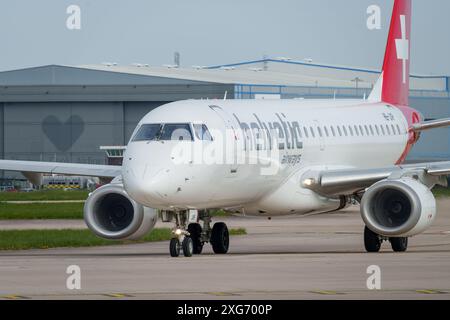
393, 85
402, 46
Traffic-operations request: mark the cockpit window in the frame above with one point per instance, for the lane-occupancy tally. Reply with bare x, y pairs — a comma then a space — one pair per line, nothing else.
180, 132
202, 132
168, 131
148, 132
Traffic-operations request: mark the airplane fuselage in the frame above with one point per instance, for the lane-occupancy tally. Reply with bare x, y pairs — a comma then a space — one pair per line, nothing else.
258, 152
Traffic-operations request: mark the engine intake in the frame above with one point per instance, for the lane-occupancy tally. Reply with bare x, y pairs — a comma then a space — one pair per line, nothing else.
398, 208
111, 214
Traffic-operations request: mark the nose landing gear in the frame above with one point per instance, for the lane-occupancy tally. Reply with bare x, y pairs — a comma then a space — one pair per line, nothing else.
181, 242
191, 240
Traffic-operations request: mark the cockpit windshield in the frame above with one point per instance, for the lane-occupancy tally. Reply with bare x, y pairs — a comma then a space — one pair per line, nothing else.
202, 132
178, 132
148, 132
165, 132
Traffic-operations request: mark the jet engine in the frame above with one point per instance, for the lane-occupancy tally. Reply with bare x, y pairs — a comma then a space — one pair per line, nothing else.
398, 208
111, 214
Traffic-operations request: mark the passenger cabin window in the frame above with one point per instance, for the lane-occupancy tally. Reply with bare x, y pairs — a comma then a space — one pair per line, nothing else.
306, 132
299, 131
320, 132
202, 132
326, 131
393, 129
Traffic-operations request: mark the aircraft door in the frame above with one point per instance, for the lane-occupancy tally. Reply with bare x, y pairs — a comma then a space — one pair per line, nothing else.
321, 133
231, 125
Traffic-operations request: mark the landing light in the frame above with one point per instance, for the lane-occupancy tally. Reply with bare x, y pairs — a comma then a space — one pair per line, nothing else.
178, 232
308, 182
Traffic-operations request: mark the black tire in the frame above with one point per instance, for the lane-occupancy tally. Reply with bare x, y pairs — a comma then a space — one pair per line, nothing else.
372, 241
399, 244
220, 238
195, 231
188, 247
174, 248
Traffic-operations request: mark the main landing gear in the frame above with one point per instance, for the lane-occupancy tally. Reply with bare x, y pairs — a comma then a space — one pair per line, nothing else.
373, 241
189, 236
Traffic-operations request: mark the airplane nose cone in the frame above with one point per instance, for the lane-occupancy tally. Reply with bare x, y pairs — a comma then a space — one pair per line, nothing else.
146, 185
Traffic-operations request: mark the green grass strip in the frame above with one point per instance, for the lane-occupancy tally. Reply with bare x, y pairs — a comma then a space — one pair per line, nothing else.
44, 195
237, 232
44, 239
440, 192
30, 211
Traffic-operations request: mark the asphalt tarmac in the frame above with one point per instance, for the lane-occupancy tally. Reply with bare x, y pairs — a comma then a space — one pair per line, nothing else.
315, 257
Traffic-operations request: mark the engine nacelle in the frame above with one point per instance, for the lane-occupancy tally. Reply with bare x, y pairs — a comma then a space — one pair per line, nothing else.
398, 208
111, 214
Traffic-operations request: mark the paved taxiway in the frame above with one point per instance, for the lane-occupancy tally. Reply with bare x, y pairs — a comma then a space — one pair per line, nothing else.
319, 257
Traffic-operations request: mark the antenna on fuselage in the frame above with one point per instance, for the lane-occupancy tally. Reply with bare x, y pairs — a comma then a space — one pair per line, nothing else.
225, 95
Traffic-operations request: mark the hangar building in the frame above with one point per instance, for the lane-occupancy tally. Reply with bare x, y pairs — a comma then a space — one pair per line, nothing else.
64, 113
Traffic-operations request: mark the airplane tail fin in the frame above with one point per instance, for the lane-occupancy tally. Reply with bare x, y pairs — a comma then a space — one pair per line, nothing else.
393, 85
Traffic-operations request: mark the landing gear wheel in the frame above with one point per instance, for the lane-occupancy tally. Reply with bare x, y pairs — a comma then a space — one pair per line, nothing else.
372, 241
195, 230
220, 238
174, 248
399, 244
188, 247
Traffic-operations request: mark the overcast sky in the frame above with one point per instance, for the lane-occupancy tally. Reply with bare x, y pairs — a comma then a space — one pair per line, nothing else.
209, 32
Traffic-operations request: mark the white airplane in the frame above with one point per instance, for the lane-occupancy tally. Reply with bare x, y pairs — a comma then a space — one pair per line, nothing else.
269, 158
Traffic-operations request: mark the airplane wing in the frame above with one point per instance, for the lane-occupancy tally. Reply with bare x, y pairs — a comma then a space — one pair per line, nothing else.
432, 124
351, 181
32, 169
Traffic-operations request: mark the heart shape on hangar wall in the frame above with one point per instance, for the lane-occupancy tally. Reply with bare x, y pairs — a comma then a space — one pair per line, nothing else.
63, 135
